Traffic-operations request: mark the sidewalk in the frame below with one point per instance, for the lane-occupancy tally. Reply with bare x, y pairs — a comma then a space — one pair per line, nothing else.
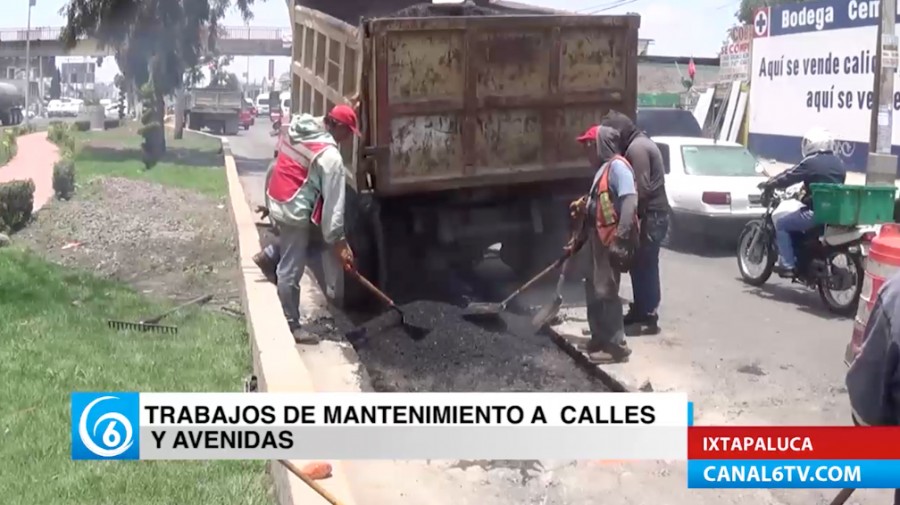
34, 160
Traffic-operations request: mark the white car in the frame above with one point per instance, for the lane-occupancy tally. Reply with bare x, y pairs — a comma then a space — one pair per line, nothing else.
65, 107
262, 105
711, 186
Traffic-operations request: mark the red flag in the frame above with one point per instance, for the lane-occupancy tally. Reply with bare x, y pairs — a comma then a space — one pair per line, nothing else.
692, 69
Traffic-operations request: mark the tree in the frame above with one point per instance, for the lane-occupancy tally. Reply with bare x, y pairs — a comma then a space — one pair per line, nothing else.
746, 8
55, 85
155, 42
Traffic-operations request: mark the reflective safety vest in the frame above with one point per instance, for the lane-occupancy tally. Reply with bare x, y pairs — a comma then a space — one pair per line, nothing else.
606, 219
292, 169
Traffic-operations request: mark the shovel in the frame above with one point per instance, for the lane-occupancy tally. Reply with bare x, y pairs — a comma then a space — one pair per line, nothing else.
394, 317
488, 312
550, 311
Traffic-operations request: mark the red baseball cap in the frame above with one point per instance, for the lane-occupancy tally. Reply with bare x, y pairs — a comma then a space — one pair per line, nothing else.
589, 135
345, 115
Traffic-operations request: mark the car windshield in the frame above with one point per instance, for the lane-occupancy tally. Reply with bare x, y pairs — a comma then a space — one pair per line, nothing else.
729, 161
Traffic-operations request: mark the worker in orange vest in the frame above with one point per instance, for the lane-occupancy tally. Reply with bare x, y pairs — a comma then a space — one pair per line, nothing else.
305, 186
611, 229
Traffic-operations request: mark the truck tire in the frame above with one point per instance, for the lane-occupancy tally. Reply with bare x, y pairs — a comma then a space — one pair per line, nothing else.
343, 290
193, 122
232, 127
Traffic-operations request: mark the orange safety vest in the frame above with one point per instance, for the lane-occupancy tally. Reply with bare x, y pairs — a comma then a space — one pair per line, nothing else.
292, 169
606, 219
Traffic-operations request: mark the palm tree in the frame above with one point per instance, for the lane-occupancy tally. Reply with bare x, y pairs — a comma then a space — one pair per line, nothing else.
155, 43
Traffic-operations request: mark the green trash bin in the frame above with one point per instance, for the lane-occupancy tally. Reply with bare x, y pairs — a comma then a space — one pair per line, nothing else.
844, 205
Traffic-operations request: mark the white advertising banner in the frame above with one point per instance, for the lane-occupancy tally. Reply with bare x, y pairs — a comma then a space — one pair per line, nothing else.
813, 66
734, 58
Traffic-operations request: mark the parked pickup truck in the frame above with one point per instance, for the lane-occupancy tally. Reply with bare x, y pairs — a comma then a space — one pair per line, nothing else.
469, 127
216, 109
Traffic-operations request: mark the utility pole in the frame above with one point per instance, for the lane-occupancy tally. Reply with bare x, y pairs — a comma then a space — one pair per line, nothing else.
881, 166
28, 61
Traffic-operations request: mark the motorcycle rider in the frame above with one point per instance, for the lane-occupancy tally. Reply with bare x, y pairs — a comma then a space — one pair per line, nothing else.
819, 164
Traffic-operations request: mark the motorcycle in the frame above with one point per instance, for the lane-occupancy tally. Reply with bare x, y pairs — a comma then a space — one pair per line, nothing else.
830, 259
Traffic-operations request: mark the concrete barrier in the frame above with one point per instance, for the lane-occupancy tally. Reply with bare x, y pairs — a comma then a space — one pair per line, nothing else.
276, 363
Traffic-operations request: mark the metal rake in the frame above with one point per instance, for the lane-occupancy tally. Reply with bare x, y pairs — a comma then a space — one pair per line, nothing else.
152, 324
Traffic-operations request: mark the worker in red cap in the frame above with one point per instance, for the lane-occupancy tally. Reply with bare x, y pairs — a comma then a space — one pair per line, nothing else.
609, 213
306, 187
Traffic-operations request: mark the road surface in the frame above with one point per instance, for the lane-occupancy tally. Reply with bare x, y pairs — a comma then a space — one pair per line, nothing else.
769, 356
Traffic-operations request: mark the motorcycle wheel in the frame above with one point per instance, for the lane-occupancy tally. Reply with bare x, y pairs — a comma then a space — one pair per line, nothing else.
846, 309
766, 257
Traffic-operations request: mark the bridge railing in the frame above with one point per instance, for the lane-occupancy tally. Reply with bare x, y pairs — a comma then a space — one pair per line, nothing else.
225, 32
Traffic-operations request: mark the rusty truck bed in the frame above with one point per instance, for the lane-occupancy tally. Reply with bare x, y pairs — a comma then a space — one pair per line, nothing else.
479, 101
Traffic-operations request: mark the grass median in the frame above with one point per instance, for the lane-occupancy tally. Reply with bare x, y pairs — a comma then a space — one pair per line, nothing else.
54, 340
193, 162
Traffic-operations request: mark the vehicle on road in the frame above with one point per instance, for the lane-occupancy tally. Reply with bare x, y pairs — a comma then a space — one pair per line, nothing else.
669, 122
216, 109
712, 187
65, 107
458, 154
249, 105
830, 259
248, 119
12, 101
262, 105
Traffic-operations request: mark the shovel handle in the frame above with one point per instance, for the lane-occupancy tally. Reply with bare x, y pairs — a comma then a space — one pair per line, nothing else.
371, 287
842, 496
311, 483
553, 266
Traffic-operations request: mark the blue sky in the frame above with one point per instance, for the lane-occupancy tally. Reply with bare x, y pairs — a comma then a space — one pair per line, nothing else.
679, 27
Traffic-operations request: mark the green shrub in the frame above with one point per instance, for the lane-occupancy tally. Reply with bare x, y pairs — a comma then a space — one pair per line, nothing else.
82, 126
58, 131
16, 204
8, 145
64, 178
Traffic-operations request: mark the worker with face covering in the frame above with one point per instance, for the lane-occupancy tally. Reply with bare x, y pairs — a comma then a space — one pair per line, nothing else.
653, 212
611, 230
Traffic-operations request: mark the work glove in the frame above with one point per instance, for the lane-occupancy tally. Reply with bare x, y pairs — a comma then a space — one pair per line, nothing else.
621, 255
344, 254
578, 207
763, 185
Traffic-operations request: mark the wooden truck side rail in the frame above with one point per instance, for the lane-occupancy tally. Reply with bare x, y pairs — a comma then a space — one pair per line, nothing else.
326, 67
466, 102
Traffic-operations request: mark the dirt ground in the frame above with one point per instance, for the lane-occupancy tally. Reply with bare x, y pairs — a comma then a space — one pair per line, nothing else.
165, 242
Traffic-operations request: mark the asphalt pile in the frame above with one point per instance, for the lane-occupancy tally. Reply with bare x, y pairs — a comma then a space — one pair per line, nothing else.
459, 356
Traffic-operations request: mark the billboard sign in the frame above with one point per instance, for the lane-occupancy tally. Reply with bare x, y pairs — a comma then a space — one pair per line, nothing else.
813, 65
734, 58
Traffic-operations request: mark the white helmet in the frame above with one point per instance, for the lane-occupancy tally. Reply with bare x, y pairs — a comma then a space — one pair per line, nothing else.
816, 140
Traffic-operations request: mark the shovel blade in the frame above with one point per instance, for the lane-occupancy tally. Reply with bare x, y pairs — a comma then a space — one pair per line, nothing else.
547, 313
478, 312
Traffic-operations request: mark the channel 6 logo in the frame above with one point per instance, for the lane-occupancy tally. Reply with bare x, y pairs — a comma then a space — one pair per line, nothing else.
105, 425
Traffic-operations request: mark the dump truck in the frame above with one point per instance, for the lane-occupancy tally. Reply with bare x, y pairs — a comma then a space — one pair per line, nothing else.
468, 130
12, 103
216, 109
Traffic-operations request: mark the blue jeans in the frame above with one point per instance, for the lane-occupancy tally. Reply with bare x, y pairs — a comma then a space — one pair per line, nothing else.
645, 271
798, 221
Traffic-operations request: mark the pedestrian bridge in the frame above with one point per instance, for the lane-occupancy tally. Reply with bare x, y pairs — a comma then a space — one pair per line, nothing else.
233, 41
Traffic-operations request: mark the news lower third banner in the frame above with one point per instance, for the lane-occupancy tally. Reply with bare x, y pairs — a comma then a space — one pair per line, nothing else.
793, 457
467, 426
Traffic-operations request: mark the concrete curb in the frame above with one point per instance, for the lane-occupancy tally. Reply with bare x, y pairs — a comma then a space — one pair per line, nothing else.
277, 365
